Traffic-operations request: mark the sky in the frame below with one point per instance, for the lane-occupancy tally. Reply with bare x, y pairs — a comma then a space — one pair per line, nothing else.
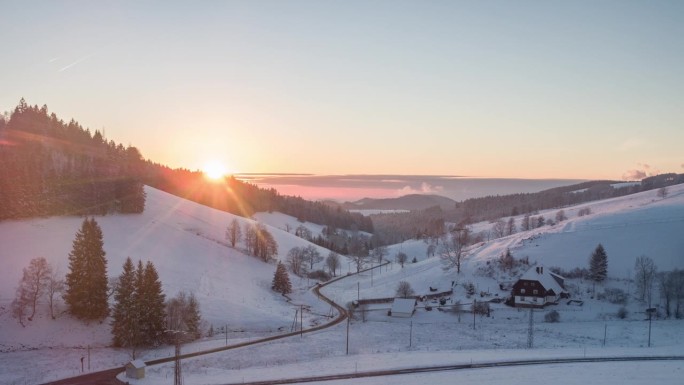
523, 89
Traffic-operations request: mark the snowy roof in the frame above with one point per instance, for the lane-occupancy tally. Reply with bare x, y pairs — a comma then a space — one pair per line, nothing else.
545, 277
138, 364
403, 305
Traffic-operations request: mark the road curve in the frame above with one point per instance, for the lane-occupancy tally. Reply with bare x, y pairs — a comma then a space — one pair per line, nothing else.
108, 377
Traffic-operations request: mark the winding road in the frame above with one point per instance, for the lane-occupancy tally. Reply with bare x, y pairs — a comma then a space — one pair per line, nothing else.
108, 377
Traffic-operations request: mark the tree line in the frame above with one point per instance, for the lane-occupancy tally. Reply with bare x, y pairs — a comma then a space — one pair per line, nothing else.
50, 167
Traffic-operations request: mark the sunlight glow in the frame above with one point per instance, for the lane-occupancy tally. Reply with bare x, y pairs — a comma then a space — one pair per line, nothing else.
214, 170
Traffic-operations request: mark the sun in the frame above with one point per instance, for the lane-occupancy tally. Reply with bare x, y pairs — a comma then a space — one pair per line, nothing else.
214, 170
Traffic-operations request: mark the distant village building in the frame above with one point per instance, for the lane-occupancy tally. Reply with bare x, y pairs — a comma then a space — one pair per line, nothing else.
403, 307
538, 287
135, 369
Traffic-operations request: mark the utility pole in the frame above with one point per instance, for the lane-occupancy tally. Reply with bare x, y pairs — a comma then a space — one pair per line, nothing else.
474, 307
301, 321
177, 375
358, 291
530, 330
650, 312
347, 334
411, 335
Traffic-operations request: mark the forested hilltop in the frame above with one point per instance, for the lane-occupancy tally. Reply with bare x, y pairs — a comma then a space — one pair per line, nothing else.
50, 167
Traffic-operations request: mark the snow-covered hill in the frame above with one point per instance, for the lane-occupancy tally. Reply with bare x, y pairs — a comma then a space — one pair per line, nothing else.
186, 243
628, 227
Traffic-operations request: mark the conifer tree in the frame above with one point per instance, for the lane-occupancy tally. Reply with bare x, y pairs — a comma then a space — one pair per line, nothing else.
125, 312
86, 281
281, 280
598, 264
151, 305
192, 317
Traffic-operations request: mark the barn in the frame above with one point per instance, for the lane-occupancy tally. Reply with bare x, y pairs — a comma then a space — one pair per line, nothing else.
538, 287
403, 307
135, 369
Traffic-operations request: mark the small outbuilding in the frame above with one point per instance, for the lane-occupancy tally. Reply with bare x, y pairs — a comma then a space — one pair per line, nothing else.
403, 307
135, 369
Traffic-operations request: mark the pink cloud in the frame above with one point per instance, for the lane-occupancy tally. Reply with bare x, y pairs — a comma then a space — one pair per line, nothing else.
425, 188
642, 171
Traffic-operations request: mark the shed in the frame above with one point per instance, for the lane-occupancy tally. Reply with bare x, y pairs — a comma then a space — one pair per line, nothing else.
403, 307
135, 369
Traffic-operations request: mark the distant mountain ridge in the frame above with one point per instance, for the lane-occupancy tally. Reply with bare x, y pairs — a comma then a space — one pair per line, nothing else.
406, 202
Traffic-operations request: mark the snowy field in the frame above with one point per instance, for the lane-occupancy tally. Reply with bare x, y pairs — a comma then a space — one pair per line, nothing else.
186, 243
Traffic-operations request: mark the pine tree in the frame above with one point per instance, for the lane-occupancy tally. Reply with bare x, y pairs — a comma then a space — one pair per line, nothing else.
125, 312
151, 305
281, 280
192, 317
598, 264
86, 281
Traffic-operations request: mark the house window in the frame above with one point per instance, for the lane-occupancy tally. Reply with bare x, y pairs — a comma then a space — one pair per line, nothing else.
522, 298
535, 292
522, 291
532, 283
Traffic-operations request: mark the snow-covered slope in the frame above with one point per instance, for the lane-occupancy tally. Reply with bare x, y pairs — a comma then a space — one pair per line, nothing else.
184, 240
628, 227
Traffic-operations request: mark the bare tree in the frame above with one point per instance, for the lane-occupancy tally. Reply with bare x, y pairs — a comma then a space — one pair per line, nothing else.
430, 252
302, 232
55, 286
233, 232
401, 258
358, 251
662, 192
19, 306
311, 255
645, 274
510, 226
540, 221
404, 289
295, 260
499, 229
525, 223
667, 285
560, 216
379, 253
679, 292
250, 235
34, 283
359, 261
452, 248
333, 262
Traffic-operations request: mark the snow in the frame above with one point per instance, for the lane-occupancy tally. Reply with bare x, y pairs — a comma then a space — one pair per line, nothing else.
186, 243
